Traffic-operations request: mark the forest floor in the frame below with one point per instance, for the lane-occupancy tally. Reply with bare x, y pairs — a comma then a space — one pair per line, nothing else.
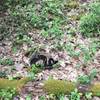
69, 68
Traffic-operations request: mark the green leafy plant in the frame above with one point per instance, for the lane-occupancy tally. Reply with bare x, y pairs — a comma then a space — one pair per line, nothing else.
85, 52
24, 16
53, 6
8, 61
90, 23
86, 55
93, 73
88, 95
42, 98
7, 94
54, 29
86, 79
88, 52
14, 49
35, 69
3, 74
31, 75
20, 39
28, 97
75, 95
70, 48
61, 97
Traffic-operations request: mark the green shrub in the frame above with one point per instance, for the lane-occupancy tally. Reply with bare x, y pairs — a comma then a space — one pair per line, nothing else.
90, 23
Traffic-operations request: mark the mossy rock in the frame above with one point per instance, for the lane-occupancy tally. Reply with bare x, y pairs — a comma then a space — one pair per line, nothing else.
11, 84
66, 87
95, 89
58, 87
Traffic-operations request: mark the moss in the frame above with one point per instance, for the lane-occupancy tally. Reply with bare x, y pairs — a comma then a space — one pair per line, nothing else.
95, 89
17, 84
65, 87
58, 87
72, 4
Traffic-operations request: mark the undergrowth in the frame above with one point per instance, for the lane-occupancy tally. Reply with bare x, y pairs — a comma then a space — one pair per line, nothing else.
90, 23
23, 16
